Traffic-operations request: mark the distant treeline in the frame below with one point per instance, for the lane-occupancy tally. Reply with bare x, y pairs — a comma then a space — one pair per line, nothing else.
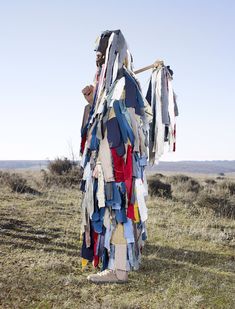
18, 164
212, 167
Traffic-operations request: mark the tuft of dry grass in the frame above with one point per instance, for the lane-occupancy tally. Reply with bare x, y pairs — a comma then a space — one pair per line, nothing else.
16, 182
222, 205
157, 187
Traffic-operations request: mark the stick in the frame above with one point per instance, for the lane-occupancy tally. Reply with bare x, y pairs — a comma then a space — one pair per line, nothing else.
152, 66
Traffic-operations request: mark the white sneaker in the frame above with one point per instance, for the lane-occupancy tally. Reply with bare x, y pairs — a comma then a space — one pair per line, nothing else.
108, 276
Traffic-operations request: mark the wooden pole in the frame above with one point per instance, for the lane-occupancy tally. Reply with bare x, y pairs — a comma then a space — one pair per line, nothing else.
151, 66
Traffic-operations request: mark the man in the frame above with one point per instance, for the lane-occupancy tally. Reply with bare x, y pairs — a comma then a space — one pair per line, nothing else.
114, 150
88, 94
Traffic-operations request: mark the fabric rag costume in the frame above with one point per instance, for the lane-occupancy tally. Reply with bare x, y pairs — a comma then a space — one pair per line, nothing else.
121, 131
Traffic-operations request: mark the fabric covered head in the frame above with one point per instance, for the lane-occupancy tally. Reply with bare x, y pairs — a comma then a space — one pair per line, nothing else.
114, 53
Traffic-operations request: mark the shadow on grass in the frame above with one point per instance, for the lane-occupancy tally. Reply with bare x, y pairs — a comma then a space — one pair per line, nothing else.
199, 258
16, 230
44, 249
22, 226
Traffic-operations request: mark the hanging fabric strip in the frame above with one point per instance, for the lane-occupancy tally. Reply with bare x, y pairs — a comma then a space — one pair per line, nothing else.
162, 99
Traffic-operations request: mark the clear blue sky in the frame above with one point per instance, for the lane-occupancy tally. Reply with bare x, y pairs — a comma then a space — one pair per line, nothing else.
47, 57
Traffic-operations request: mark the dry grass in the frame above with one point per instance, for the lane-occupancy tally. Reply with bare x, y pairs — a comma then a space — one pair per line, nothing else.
188, 260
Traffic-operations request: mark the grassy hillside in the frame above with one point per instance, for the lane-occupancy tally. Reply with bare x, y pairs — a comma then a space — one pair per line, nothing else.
188, 260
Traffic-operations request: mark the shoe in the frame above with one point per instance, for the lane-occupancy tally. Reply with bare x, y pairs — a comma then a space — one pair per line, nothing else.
108, 276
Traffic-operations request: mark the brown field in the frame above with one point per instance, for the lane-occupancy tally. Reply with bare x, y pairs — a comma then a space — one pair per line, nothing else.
188, 260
